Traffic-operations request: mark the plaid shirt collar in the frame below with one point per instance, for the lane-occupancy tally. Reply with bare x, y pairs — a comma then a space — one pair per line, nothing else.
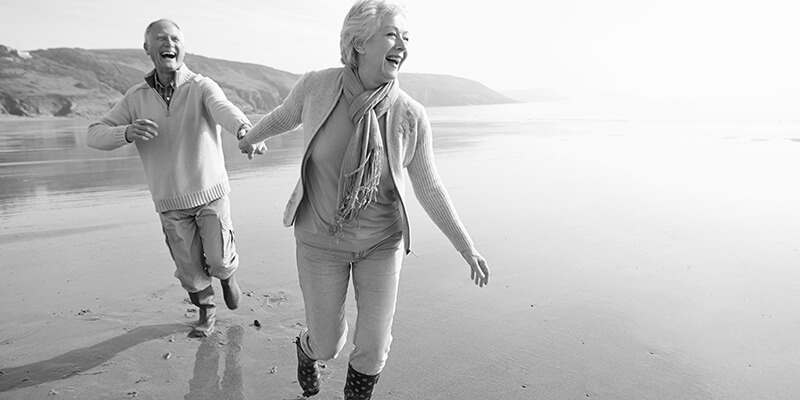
165, 91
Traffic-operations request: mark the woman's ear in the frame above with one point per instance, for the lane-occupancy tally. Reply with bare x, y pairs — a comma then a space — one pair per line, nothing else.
358, 46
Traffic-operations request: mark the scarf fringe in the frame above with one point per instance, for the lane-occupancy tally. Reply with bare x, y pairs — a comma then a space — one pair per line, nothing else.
360, 189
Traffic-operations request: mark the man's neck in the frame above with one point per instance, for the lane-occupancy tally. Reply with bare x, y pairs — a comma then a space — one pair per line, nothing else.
165, 79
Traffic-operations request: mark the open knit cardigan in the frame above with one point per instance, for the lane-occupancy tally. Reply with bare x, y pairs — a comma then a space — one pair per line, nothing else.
408, 145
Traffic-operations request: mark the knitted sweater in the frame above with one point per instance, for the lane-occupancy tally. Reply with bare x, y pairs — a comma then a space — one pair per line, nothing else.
184, 164
409, 146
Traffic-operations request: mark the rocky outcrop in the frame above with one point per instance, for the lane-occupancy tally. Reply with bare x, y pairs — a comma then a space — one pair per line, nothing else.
11, 54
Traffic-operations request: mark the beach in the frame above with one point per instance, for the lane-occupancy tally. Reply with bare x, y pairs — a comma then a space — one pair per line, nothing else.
649, 258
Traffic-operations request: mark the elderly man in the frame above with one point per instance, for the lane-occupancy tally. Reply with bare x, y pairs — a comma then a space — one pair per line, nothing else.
172, 117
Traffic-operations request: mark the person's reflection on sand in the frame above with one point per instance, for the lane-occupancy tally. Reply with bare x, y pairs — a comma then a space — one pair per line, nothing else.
206, 383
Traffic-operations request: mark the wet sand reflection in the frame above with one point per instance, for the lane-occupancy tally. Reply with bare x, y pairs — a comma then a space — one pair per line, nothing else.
206, 383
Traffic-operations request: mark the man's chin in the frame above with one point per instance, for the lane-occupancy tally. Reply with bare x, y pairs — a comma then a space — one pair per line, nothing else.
172, 67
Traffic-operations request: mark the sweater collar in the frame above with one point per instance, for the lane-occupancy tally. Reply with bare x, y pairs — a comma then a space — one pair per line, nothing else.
182, 75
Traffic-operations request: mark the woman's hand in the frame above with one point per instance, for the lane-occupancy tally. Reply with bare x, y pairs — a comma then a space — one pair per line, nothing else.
247, 148
479, 270
259, 148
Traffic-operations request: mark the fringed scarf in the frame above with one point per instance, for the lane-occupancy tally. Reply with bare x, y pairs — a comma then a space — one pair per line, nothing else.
363, 159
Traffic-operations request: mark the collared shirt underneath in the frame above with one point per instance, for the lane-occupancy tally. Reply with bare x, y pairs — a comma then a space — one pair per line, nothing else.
164, 91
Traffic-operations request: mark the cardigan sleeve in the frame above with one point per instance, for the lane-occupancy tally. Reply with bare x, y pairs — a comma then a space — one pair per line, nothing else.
282, 119
431, 192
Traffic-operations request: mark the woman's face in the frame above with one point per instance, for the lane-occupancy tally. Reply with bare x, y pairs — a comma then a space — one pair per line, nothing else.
383, 53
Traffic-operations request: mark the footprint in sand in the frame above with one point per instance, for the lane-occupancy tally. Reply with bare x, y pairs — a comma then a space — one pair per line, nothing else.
158, 294
88, 315
276, 299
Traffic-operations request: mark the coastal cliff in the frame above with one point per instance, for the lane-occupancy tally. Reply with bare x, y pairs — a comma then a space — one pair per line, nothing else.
73, 82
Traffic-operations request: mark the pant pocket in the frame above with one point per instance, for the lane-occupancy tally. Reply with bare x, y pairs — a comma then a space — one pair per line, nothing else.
228, 240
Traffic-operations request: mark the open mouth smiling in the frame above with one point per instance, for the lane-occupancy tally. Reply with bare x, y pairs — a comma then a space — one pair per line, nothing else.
394, 60
169, 55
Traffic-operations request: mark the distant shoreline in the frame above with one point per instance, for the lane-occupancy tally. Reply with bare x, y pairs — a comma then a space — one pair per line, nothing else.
253, 117
9, 117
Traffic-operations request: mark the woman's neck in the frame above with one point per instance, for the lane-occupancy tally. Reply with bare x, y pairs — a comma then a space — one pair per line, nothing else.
369, 81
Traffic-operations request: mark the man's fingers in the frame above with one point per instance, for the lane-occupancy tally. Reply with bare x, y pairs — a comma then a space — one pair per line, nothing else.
145, 122
145, 134
143, 129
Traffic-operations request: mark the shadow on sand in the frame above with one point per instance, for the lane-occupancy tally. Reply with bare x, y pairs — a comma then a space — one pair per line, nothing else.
206, 382
80, 360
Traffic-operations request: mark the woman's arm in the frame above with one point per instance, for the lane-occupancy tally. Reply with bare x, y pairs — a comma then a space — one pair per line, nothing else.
435, 200
282, 119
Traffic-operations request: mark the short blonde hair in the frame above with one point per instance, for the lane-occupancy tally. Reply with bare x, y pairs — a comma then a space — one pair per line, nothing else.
363, 21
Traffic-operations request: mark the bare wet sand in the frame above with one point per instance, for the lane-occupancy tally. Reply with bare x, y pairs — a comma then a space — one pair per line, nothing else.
625, 266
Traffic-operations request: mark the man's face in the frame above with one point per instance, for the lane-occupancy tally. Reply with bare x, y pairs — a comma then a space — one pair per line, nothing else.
165, 47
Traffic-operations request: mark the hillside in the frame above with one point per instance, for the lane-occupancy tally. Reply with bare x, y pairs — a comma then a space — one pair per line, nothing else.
535, 94
74, 82
434, 90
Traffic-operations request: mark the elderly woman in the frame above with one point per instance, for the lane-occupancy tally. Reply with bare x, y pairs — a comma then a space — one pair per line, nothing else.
348, 208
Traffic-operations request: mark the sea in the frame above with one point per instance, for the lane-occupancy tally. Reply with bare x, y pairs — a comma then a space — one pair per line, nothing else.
639, 249
47, 160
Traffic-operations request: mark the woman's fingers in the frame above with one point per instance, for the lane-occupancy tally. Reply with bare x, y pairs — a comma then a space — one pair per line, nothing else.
479, 271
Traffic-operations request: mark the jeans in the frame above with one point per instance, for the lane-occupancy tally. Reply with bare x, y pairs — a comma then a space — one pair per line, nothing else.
201, 242
324, 275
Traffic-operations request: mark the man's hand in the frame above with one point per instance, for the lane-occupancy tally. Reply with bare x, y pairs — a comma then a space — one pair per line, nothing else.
141, 129
247, 148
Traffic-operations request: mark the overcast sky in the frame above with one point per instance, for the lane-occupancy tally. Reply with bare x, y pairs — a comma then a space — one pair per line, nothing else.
651, 48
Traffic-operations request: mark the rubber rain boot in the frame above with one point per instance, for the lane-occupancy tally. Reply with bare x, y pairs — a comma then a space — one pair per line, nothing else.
231, 292
359, 386
204, 300
308, 374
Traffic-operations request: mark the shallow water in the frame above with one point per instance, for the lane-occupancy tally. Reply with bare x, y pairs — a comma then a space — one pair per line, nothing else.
42, 160
48, 160
635, 255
